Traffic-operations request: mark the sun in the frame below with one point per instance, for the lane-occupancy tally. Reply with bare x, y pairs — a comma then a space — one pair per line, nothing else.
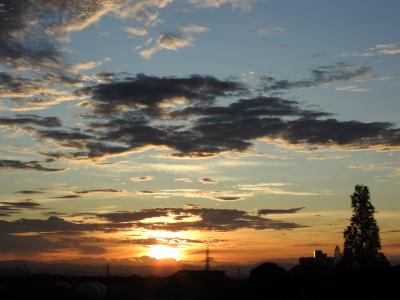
162, 252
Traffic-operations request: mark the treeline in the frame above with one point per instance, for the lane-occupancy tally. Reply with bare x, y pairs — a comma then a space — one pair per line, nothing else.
267, 281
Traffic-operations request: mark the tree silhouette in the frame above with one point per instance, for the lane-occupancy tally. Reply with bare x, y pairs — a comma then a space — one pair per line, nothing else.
362, 243
268, 281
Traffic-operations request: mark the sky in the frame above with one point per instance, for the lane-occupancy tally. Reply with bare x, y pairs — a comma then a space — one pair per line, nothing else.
136, 130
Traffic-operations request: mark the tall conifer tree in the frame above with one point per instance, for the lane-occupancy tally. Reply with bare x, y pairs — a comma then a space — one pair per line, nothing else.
362, 243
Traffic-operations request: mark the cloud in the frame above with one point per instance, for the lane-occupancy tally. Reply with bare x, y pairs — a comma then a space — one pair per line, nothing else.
279, 211
378, 50
268, 31
180, 114
228, 198
133, 216
66, 197
166, 241
136, 31
167, 41
208, 219
25, 245
34, 33
16, 87
148, 52
184, 180
321, 75
54, 233
83, 66
272, 189
141, 178
242, 4
36, 244
36, 92
63, 135
12, 207
22, 44
171, 41
153, 93
178, 168
27, 204
191, 28
207, 180
352, 89
7, 211
28, 192
342, 133
107, 190
319, 54
373, 167
253, 107
29, 165
31, 33
222, 220
52, 224
196, 193
30, 120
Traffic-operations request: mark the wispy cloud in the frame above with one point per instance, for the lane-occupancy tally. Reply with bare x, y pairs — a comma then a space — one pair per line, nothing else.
207, 180
171, 41
166, 41
374, 167
279, 211
321, 75
352, 89
73, 196
184, 180
141, 178
7, 164
102, 190
30, 120
136, 31
178, 168
191, 28
268, 31
378, 50
196, 193
273, 189
85, 65
30, 192
242, 4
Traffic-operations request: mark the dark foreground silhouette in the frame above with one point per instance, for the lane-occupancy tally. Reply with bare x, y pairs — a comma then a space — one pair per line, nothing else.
267, 281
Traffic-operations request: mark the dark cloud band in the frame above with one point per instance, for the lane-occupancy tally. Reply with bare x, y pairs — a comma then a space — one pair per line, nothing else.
196, 116
30, 165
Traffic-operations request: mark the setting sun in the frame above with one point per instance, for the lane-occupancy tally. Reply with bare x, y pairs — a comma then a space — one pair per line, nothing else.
162, 252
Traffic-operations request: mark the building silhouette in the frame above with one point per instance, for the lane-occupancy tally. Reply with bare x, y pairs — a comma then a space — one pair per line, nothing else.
337, 256
319, 259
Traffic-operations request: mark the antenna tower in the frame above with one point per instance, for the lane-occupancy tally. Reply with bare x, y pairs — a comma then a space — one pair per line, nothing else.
207, 259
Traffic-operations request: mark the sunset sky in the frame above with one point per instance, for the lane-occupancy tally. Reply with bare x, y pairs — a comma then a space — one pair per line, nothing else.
150, 128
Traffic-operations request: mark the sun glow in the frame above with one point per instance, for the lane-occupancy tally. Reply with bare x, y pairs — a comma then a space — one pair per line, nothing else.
162, 252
